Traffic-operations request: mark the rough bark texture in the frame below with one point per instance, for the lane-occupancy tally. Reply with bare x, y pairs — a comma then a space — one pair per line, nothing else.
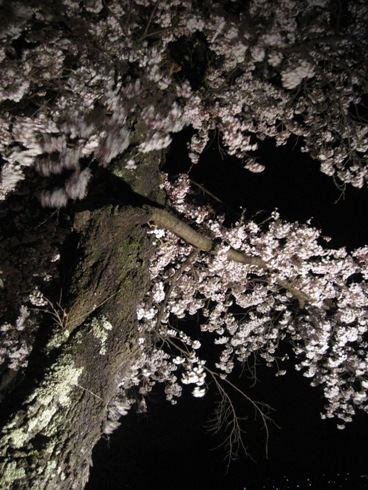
54, 412
48, 442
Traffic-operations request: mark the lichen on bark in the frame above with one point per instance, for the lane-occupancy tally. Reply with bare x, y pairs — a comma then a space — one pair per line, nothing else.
55, 416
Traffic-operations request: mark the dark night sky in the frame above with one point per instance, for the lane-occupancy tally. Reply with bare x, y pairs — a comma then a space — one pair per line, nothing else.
168, 448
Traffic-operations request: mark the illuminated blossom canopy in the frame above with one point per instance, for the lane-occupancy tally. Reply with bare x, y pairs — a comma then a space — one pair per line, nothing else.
110, 78
77, 86
246, 289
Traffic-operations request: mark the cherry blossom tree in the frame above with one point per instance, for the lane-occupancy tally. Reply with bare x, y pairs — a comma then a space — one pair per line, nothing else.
104, 85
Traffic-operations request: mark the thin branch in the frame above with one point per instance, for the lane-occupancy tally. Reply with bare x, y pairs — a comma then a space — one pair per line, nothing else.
229, 418
150, 20
205, 191
91, 392
226, 416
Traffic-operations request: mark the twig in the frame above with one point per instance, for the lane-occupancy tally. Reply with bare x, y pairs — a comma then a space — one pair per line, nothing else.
91, 392
234, 441
150, 20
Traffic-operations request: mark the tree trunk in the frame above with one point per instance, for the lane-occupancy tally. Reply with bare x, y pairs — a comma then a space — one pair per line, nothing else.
55, 411
48, 441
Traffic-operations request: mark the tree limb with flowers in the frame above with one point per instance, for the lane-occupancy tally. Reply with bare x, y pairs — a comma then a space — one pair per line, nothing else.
91, 94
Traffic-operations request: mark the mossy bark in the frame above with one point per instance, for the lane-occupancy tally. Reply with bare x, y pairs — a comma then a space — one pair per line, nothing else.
55, 415
47, 443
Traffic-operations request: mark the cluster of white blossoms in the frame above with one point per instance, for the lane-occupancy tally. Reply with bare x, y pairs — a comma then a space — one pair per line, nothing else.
97, 80
298, 66
17, 341
249, 308
104, 78
80, 91
293, 76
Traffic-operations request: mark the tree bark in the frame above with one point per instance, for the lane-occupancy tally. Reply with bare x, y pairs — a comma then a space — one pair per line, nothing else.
47, 442
53, 412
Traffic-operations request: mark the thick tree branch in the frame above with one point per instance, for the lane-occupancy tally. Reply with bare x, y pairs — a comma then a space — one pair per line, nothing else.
169, 221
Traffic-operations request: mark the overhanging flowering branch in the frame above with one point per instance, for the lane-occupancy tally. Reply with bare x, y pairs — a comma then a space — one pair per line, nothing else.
166, 219
244, 294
